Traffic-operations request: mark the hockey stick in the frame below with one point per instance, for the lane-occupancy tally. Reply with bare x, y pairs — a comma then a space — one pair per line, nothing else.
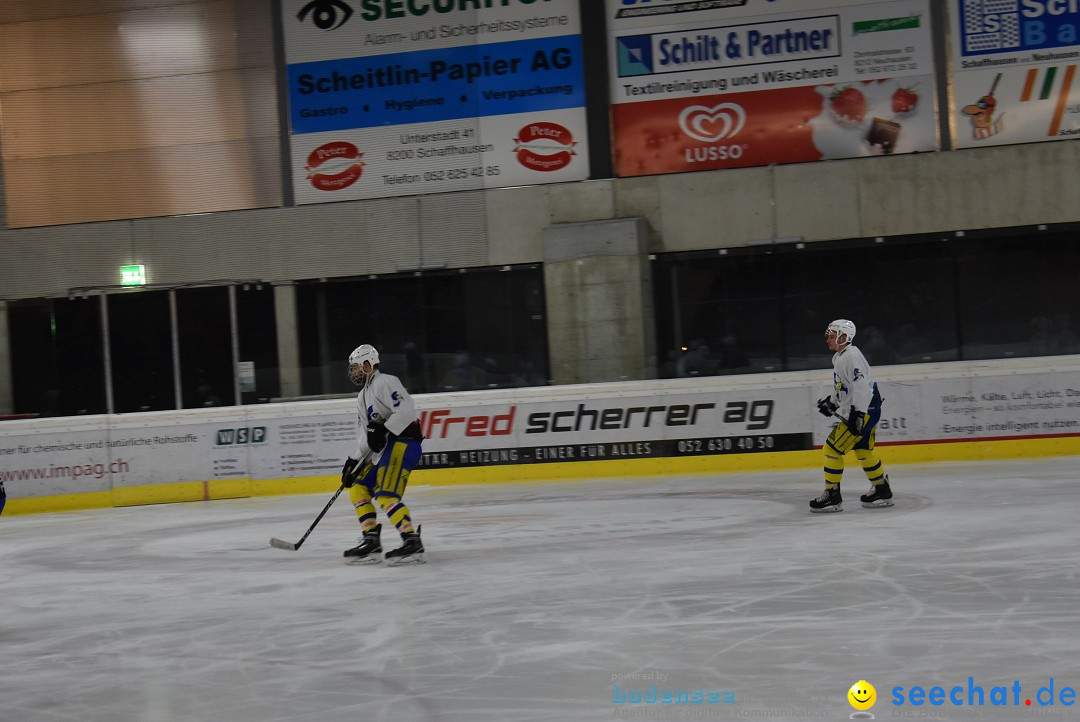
847, 423
842, 419
279, 544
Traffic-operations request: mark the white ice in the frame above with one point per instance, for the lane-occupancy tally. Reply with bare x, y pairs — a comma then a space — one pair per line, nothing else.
538, 599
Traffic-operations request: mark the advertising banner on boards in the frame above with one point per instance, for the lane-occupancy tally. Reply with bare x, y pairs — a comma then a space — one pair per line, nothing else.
520, 427
390, 98
1014, 71
735, 83
622, 427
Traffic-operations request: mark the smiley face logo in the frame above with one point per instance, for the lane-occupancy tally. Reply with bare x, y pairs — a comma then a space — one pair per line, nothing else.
862, 695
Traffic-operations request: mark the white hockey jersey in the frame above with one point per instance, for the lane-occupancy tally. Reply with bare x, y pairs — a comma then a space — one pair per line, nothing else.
853, 382
383, 399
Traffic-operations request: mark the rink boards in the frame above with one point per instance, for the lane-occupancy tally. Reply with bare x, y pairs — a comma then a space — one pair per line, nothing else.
940, 412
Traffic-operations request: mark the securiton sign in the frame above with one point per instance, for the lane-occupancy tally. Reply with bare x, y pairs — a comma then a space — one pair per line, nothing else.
433, 95
373, 10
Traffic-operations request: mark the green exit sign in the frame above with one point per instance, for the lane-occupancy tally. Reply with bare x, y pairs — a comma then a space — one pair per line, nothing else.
132, 275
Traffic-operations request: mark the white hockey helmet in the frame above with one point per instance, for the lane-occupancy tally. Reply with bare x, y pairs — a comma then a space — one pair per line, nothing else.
360, 354
842, 327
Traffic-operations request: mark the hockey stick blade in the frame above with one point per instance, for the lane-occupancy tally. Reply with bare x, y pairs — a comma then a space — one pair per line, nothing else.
279, 544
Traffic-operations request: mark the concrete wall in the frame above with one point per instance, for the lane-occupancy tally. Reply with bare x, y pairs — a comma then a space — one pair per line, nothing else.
598, 285
600, 306
895, 195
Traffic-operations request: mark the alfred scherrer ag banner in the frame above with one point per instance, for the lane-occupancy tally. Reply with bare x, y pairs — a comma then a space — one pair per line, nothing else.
74, 455
392, 98
732, 83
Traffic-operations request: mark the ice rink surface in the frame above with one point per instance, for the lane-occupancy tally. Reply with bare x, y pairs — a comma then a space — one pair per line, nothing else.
544, 602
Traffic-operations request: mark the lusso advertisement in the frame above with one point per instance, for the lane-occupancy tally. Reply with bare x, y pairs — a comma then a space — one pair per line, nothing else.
394, 98
726, 84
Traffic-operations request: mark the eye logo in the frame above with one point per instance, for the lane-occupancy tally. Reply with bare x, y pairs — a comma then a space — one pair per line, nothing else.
324, 13
712, 124
862, 696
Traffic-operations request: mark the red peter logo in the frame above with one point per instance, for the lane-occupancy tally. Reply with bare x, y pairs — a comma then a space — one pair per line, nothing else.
544, 146
334, 166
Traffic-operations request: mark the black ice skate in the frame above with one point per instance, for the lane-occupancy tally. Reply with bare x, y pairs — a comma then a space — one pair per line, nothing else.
368, 550
411, 550
880, 495
830, 500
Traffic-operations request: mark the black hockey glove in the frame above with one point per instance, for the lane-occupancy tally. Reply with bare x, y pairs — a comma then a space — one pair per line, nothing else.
376, 437
349, 472
826, 406
856, 421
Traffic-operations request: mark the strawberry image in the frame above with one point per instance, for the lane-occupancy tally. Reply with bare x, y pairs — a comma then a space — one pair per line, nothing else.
904, 100
849, 105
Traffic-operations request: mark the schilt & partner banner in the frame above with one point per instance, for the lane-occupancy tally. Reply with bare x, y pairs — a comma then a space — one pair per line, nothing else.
707, 85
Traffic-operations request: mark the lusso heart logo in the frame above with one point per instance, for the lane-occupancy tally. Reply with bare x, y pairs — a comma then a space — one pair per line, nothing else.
712, 124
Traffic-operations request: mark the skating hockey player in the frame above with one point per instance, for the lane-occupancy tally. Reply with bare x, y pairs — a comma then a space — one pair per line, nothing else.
388, 446
856, 400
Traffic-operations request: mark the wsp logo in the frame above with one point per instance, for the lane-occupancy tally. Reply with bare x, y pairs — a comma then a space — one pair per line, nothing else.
242, 435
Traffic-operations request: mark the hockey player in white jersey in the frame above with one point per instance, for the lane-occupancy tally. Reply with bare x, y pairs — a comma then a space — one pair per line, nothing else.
388, 446
856, 400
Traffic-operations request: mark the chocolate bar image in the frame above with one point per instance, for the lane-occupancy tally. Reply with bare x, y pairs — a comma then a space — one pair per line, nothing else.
883, 133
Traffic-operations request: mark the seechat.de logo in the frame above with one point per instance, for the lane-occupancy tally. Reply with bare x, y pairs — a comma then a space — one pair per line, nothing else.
862, 696
324, 13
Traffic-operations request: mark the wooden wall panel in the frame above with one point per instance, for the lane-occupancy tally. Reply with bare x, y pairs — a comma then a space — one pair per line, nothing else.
23, 11
189, 38
141, 183
150, 112
158, 112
